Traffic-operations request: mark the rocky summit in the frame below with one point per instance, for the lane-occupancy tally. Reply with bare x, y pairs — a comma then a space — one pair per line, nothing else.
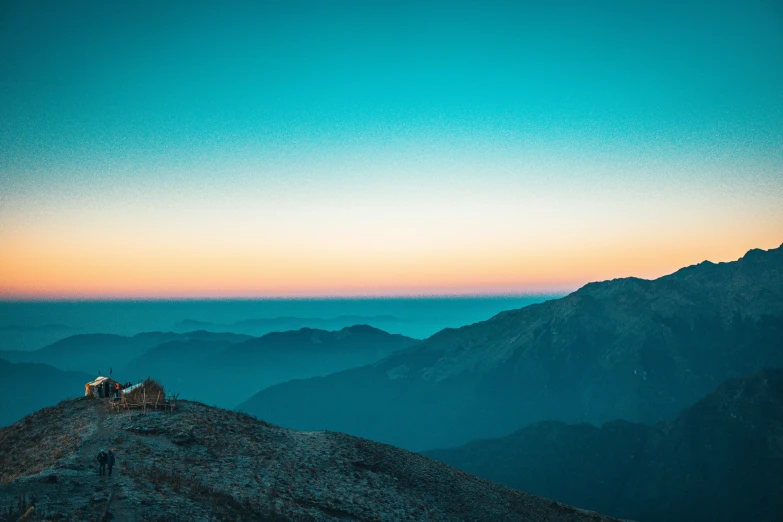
205, 463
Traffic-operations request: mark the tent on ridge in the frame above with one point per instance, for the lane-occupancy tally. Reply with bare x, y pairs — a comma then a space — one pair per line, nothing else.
101, 387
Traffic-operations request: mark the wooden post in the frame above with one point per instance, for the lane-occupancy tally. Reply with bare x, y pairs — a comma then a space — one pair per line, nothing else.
27, 514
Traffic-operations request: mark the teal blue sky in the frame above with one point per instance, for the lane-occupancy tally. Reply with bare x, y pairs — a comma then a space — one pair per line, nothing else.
439, 126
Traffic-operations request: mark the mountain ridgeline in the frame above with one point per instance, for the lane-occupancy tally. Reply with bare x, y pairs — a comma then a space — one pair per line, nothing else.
215, 368
227, 372
719, 460
632, 349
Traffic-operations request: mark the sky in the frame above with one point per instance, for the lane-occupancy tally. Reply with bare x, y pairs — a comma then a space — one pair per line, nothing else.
226, 149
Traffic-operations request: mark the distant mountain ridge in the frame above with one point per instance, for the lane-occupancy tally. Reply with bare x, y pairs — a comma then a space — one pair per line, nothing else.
26, 336
628, 348
359, 338
263, 325
27, 387
219, 368
228, 372
719, 460
99, 352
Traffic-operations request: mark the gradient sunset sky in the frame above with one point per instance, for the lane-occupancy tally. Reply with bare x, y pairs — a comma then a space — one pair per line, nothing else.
185, 149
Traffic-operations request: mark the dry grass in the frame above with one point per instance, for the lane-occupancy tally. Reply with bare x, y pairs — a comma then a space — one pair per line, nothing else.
150, 388
32, 445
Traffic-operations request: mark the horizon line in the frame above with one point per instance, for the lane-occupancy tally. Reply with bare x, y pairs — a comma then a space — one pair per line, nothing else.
334, 297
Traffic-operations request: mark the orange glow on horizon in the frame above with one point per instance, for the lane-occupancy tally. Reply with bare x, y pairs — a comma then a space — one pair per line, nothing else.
32, 271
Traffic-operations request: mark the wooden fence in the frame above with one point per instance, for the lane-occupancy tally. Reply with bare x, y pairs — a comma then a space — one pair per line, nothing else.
161, 402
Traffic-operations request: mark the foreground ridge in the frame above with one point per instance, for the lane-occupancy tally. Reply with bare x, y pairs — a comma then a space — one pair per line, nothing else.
201, 462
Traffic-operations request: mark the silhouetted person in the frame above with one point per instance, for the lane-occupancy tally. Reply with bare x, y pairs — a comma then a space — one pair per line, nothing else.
102, 458
110, 460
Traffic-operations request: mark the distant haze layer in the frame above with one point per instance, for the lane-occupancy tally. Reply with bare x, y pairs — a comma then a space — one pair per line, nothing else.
28, 325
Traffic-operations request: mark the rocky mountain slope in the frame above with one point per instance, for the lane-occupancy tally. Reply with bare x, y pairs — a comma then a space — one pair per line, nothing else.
630, 349
26, 387
202, 463
721, 459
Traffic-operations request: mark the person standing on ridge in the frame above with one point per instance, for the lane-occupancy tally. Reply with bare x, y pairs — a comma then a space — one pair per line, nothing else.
110, 460
102, 458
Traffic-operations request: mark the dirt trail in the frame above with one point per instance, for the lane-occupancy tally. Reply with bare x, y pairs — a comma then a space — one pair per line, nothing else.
101, 487
88, 454
111, 435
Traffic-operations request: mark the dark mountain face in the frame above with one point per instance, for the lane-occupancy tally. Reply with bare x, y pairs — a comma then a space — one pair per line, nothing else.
578, 462
202, 463
26, 387
631, 349
721, 459
725, 452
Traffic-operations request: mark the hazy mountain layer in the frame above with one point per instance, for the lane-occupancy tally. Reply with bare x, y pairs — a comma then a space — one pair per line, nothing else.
97, 353
629, 348
28, 325
217, 368
721, 459
31, 337
202, 463
226, 372
26, 387
263, 325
